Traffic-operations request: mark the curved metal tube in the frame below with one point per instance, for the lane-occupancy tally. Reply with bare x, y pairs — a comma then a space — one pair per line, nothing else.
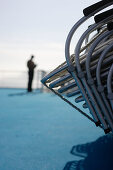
65, 88
98, 72
69, 37
53, 73
75, 27
73, 93
96, 42
91, 82
82, 76
109, 82
67, 55
109, 79
72, 70
62, 79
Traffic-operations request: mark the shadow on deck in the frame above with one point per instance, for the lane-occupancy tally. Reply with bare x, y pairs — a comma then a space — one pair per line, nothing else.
98, 155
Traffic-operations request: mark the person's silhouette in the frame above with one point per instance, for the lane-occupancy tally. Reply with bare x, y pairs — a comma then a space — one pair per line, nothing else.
31, 66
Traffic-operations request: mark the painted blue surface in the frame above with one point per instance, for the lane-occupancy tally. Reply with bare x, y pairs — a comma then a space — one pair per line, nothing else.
37, 131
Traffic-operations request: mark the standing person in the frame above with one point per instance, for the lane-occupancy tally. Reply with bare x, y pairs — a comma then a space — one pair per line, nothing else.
31, 65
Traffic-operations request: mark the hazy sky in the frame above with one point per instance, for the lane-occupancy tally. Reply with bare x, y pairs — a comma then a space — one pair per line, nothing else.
37, 27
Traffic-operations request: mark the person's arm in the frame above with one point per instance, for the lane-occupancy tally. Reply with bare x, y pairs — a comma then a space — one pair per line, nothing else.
34, 65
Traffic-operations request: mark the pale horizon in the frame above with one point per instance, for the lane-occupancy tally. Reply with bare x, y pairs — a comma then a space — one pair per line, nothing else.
39, 28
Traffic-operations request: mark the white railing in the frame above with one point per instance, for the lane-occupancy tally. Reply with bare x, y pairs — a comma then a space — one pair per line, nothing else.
19, 79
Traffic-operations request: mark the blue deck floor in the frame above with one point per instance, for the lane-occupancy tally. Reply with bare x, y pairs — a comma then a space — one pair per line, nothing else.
37, 131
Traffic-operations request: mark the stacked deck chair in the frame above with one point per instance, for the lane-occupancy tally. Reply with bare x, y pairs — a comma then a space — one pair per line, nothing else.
86, 77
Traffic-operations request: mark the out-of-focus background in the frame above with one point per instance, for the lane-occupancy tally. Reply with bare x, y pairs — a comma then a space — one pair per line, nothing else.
39, 28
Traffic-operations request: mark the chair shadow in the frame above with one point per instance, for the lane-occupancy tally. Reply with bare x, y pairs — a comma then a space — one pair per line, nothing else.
97, 155
24, 93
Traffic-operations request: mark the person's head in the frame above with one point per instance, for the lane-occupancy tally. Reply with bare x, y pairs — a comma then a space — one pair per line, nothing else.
32, 57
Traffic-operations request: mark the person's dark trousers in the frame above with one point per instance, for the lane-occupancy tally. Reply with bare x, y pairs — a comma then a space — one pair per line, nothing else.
30, 73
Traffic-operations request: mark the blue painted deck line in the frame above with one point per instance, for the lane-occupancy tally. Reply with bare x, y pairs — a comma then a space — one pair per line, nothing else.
63, 89
73, 93
53, 73
79, 99
54, 84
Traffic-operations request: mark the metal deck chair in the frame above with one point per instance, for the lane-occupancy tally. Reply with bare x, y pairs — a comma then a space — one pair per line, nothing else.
66, 70
82, 76
91, 82
73, 70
